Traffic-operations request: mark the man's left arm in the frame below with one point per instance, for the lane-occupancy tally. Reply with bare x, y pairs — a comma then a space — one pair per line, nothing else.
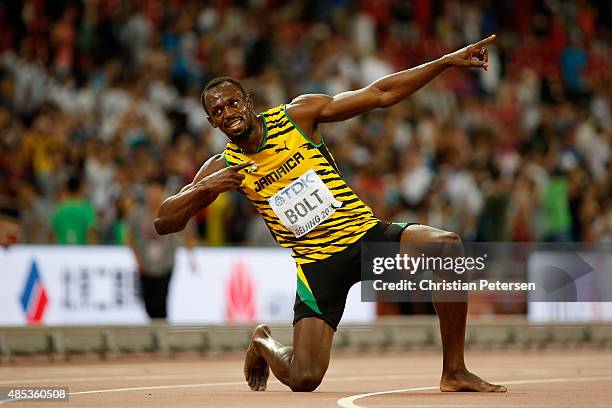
310, 110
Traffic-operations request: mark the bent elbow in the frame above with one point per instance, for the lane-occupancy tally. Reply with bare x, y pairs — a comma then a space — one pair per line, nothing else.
161, 227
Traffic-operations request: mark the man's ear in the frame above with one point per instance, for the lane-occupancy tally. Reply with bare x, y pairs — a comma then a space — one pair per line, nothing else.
249, 100
211, 121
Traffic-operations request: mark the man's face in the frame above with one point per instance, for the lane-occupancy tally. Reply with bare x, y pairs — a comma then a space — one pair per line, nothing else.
228, 109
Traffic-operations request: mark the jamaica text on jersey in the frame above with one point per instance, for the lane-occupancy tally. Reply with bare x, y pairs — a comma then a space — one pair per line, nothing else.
297, 189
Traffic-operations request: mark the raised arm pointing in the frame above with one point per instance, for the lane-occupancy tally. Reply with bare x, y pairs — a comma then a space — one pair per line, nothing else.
310, 110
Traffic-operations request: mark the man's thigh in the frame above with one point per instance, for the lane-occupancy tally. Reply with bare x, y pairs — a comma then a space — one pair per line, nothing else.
419, 239
415, 233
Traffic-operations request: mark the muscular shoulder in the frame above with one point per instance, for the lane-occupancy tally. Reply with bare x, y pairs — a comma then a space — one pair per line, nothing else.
305, 112
307, 107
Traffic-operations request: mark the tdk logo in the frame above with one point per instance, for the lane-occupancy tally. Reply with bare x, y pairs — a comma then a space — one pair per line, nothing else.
295, 188
34, 296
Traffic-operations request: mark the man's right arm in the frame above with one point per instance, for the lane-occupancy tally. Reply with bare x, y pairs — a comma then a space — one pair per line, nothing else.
213, 178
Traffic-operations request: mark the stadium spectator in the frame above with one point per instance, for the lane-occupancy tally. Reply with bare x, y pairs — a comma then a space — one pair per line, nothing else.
154, 254
74, 219
110, 91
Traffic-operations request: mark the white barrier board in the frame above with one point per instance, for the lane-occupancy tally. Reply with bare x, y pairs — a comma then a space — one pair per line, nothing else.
590, 286
71, 285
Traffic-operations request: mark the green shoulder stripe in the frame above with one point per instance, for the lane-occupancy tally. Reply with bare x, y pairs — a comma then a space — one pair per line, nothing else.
225, 160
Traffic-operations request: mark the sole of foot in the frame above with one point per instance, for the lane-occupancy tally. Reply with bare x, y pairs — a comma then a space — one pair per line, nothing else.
256, 369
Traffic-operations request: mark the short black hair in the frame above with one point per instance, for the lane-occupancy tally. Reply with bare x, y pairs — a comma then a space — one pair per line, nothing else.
218, 81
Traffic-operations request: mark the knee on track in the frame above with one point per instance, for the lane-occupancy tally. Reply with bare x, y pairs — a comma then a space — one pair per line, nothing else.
306, 382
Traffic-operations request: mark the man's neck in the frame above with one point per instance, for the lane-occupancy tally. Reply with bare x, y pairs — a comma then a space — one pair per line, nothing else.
255, 137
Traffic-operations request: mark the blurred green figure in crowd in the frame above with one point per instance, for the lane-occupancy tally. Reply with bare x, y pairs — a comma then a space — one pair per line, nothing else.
74, 219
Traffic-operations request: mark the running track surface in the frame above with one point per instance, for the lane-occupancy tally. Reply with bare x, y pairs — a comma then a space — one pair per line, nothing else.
536, 379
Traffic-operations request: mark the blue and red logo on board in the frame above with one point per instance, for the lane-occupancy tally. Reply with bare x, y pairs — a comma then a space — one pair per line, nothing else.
34, 298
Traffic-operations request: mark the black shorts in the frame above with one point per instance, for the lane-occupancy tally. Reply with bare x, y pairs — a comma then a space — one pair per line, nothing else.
331, 278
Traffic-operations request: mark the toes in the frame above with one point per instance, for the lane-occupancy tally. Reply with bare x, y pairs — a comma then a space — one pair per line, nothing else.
256, 371
265, 373
258, 375
488, 387
253, 369
251, 380
261, 384
499, 388
260, 379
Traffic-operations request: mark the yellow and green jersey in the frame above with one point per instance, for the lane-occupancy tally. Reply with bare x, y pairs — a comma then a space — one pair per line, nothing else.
298, 190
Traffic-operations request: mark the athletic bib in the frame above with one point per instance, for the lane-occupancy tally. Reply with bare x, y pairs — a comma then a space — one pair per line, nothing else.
304, 204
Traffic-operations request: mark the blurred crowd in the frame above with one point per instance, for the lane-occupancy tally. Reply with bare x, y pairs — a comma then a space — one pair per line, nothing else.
99, 99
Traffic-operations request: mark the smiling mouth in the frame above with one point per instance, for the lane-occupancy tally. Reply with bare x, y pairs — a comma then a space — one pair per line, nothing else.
234, 124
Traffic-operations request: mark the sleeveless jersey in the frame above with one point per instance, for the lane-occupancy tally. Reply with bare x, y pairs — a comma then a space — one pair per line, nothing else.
299, 192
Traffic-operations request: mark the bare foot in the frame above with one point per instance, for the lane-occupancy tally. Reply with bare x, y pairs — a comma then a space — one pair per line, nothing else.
463, 380
256, 369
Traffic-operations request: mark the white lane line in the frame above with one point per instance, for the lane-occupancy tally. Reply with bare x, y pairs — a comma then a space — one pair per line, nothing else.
157, 387
349, 402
